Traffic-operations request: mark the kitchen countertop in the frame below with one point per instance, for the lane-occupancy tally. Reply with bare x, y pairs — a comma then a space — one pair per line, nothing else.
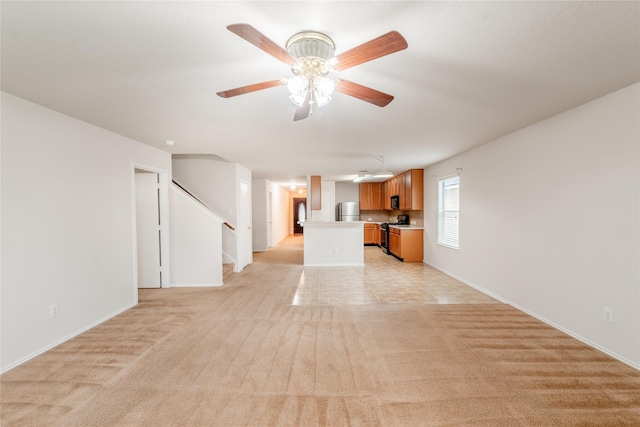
407, 227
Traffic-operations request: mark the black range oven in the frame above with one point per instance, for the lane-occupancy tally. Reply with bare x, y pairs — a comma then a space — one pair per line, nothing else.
384, 232
384, 236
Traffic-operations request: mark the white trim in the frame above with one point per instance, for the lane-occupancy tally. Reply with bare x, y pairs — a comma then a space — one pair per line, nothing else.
444, 245
66, 338
334, 265
196, 285
544, 320
447, 176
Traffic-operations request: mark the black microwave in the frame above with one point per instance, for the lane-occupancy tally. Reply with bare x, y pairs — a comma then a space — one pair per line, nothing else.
395, 202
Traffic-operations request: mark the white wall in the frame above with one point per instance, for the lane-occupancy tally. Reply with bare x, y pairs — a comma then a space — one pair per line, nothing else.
196, 242
67, 226
212, 180
347, 192
550, 221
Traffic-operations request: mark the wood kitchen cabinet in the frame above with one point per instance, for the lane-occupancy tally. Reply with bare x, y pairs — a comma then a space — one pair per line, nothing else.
411, 190
409, 186
370, 233
391, 188
394, 241
406, 244
387, 195
315, 192
371, 196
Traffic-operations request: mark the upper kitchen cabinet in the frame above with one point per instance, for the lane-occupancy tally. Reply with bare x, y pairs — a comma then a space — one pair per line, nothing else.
409, 186
371, 196
412, 190
315, 192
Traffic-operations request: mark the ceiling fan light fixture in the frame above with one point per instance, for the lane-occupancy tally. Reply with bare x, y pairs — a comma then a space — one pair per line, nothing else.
297, 87
323, 88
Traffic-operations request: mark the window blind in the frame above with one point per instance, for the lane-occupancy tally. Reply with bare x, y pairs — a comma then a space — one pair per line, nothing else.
449, 211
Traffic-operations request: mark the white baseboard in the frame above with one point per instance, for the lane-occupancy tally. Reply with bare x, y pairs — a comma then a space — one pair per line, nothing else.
195, 285
334, 265
62, 340
544, 320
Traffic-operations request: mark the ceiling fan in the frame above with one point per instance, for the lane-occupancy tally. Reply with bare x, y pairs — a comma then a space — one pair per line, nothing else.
311, 57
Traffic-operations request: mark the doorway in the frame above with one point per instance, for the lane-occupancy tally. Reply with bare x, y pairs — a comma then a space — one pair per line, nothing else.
299, 214
150, 215
269, 219
245, 250
148, 236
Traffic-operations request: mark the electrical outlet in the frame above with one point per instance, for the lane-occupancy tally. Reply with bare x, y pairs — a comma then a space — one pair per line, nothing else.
607, 315
54, 311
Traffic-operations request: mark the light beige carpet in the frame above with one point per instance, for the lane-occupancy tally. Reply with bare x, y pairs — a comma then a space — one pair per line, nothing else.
243, 355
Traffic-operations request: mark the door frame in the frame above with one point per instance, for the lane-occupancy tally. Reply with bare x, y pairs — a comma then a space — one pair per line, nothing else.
164, 209
147, 229
245, 218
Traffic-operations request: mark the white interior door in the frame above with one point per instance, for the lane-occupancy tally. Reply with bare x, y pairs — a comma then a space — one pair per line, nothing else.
147, 229
269, 219
244, 222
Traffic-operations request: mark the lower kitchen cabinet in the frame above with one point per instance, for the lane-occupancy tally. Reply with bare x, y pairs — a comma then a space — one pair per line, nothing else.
406, 244
370, 234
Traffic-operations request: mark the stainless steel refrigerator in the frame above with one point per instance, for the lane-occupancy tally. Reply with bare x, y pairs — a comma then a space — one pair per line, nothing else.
348, 211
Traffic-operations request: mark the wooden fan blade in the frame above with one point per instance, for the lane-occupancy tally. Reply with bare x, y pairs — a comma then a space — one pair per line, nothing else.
250, 88
364, 93
261, 41
303, 111
373, 49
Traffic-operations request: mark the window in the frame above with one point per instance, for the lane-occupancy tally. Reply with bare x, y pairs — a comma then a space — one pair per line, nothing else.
448, 211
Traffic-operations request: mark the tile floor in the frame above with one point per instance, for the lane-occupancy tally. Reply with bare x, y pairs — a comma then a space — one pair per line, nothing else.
382, 280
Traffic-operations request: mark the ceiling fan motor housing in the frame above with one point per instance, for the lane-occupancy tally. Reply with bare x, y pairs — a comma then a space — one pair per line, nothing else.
313, 50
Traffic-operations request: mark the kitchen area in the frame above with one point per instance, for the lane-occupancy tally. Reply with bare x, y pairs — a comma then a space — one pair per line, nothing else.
393, 215
386, 214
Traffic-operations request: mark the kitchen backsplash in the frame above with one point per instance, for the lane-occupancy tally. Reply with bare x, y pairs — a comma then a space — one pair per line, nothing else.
392, 216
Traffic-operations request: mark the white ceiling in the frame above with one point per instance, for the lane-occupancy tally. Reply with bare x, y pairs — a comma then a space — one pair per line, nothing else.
473, 71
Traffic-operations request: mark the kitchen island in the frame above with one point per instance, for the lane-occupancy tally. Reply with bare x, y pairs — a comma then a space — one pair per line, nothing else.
333, 243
